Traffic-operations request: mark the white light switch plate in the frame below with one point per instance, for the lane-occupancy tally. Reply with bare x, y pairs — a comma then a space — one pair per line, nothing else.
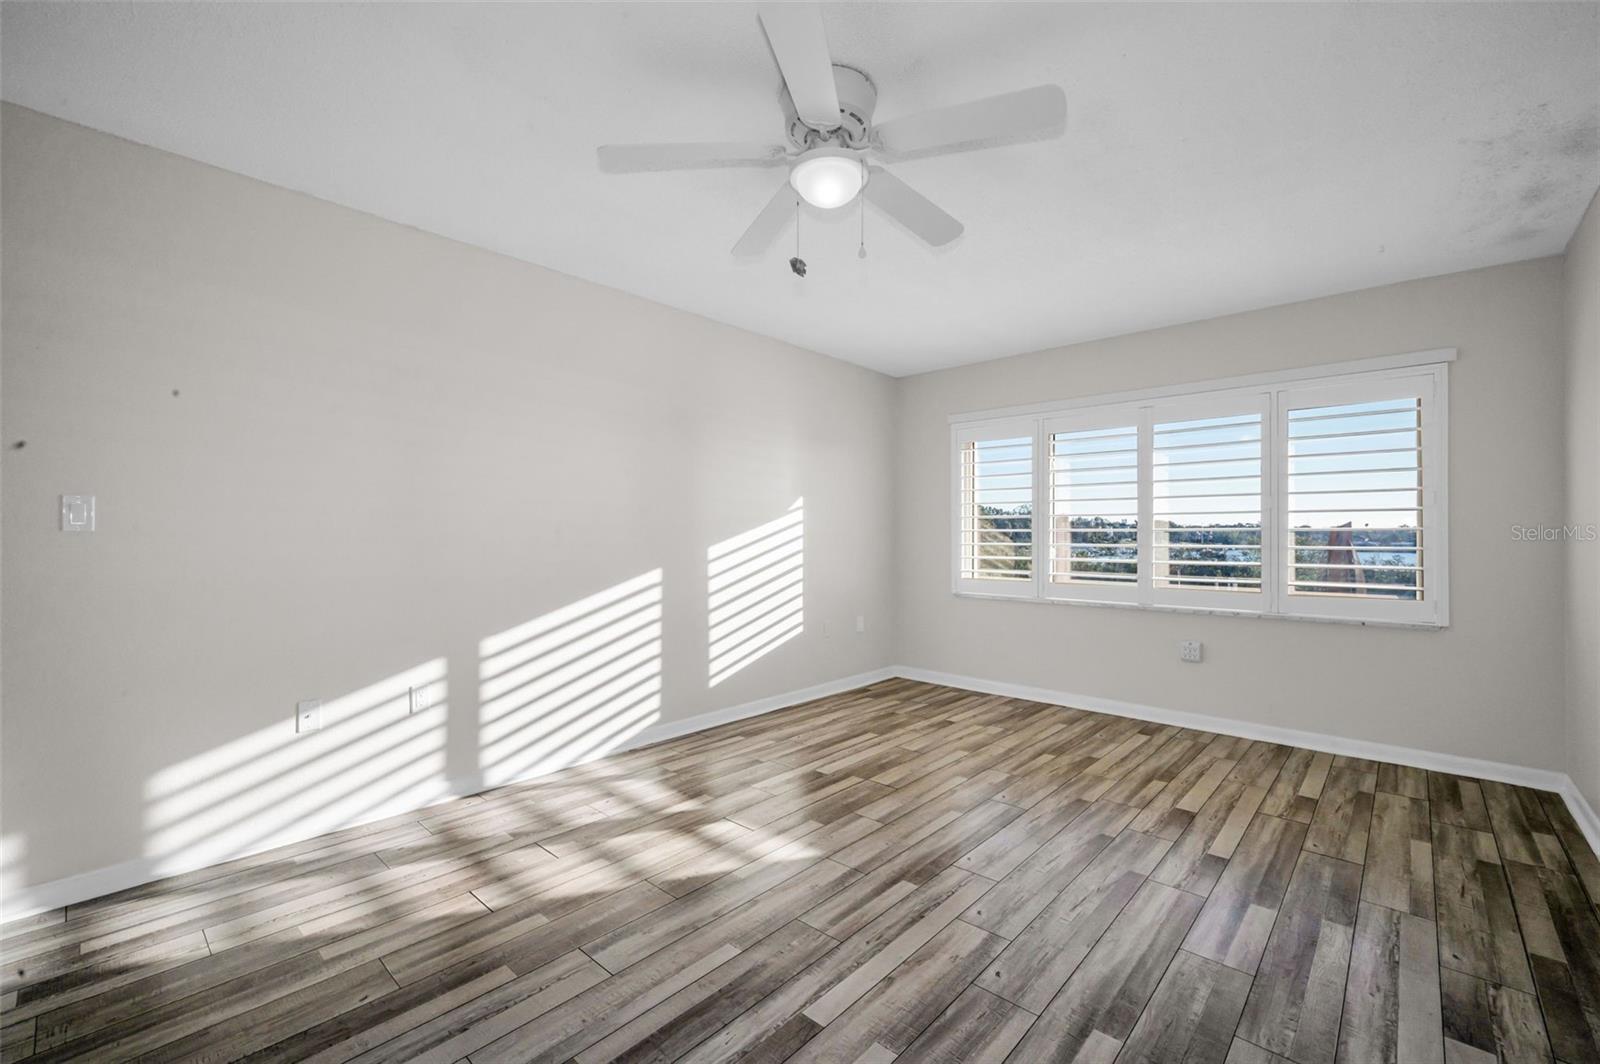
308, 716
77, 513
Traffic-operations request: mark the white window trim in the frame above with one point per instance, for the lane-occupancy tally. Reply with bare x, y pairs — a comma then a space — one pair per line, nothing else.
1267, 389
1221, 404
1433, 610
1002, 428
1082, 420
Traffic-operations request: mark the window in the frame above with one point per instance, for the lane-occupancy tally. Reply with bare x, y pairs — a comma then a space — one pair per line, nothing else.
994, 541
1206, 526
1295, 495
1094, 506
1360, 521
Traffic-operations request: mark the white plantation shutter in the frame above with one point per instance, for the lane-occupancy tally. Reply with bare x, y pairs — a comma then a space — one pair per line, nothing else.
1206, 508
995, 491
1316, 497
1360, 523
1093, 522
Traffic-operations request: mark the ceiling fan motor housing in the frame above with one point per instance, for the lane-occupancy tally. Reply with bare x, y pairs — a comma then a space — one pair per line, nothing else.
858, 97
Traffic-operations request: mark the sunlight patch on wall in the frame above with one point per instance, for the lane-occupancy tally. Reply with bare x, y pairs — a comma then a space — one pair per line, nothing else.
372, 756
755, 585
571, 685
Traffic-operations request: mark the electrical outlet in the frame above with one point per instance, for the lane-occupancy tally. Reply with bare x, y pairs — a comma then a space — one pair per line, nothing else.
1190, 650
417, 699
308, 716
77, 513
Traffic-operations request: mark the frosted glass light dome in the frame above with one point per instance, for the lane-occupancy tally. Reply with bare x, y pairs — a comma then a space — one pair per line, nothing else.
827, 178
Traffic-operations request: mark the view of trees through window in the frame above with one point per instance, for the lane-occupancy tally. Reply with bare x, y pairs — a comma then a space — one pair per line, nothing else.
1354, 503
1094, 505
997, 509
1355, 499
1206, 502
1005, 539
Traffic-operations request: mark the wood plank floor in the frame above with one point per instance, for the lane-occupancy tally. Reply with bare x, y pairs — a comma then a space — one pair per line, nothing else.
904, 872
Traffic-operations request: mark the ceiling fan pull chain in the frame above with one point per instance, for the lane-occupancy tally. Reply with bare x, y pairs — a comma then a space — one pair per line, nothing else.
861, 252
797, 265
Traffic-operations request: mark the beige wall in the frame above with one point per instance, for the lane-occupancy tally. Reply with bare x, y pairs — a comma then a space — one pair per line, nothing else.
330, 451
388, 450
1489, 686
1582, 277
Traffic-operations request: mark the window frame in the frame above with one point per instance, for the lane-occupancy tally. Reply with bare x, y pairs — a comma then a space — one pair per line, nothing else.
1433, 607
1088, 420
1001, 429
1216, 405
1273, 395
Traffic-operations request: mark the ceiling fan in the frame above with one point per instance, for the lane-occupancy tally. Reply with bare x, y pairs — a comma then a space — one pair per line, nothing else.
828, 111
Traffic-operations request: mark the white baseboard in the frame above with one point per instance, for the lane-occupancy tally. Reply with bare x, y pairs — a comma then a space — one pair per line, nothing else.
1583, 813
1538, 778
671, 729
93, 884
41, 897
26, 901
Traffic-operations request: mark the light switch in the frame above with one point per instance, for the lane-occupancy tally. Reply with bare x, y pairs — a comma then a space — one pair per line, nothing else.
77, 513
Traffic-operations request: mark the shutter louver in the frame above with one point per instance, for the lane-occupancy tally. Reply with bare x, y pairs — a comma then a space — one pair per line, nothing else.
1206, 503
997, 510
1094, 506
1316, 496
1355, 500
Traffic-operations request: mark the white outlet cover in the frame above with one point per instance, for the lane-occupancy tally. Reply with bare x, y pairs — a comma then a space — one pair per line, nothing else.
77, 513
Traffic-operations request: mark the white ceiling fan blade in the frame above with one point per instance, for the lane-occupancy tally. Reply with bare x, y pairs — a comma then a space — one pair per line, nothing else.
1011, 116
801, 48
635, 158
910, 208
769, 223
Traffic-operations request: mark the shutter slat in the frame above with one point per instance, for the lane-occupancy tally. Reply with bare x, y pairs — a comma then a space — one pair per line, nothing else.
996, 541
1207, 538
1363, 545
1074, 558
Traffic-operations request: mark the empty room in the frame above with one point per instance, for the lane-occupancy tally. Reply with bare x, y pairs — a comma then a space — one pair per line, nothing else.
846, 533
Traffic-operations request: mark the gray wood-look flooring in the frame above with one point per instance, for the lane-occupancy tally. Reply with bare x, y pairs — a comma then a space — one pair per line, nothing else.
904, 872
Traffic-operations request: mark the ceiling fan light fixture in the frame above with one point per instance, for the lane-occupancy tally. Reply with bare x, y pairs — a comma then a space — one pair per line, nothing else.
827, 178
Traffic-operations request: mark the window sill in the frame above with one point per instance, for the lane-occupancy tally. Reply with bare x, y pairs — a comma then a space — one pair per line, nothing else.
1255, 615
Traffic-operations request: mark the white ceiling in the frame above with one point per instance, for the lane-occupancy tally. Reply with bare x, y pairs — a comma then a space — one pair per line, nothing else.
1218, 157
